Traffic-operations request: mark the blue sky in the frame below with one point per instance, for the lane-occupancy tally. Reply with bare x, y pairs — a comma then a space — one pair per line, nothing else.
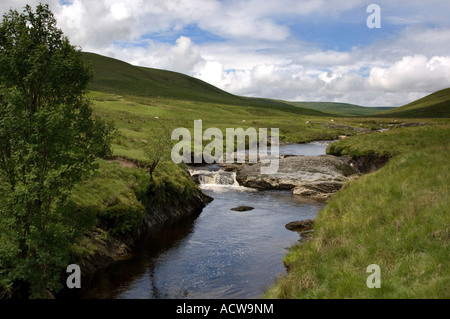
310, 50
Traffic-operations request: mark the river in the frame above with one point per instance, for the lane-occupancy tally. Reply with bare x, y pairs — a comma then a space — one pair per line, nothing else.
219, 254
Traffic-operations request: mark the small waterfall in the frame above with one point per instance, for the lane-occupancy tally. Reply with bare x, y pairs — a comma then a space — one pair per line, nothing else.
214, 178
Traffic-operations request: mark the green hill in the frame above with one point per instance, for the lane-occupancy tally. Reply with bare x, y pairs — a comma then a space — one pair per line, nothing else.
435, 105
344, 109
115, 76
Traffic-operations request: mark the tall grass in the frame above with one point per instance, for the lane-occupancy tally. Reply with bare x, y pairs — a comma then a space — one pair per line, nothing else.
397, 218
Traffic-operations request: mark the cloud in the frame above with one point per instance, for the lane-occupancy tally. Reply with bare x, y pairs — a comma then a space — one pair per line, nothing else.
412, 73
119, 11
253, 48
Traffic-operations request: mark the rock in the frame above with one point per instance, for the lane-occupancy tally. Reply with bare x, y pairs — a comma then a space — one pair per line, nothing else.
242, 208
301, 225
318, 189
230, 167
315, 176
342, 126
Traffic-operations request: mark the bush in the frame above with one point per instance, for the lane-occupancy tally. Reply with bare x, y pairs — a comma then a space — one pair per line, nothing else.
121, 219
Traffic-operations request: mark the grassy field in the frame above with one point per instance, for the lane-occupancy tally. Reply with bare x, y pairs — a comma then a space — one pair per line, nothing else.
397, 218
137, 117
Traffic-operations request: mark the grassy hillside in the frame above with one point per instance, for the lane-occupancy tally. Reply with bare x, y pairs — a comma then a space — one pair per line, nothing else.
435, 105
343, 109
136, 119
121, 78
397, 218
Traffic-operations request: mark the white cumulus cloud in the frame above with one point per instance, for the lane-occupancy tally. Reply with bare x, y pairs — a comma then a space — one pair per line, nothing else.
250, 47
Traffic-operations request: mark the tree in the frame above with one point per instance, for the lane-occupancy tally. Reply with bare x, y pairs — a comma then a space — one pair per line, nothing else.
158, 147
49, 141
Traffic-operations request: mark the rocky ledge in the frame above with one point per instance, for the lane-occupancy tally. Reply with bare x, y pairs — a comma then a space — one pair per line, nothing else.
312, 176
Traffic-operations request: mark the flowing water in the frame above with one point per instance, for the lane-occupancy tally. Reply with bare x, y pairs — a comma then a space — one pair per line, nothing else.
219, 254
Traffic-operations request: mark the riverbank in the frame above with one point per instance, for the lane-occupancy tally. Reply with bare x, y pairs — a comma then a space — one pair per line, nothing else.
123, 208
112, 249
396, 217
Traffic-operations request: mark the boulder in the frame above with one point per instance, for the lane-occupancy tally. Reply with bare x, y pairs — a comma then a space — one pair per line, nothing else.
242, 208
301, 225
313, 176
318, 189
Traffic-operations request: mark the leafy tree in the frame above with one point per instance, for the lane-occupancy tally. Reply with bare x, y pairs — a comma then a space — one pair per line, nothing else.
49, 140
158, 147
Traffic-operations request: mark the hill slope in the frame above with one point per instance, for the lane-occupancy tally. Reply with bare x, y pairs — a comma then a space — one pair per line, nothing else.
345, 109
431, 106
115, 76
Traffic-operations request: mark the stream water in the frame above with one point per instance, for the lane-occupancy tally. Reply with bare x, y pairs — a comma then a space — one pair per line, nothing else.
219, 254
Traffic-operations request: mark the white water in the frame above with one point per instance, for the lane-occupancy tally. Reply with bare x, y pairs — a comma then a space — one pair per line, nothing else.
217, 181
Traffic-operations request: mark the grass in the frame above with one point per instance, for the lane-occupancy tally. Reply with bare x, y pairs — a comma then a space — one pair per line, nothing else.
111, 184
397, 217
137, 117
396, 141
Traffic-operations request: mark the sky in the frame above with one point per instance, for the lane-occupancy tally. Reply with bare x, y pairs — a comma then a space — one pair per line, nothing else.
296, 50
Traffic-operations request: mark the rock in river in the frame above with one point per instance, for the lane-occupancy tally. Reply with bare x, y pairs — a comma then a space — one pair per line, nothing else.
313, 176
301, 225
242, 208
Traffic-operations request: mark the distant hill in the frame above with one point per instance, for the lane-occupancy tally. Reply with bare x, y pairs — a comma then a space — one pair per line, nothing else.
435, 105
115, 76
344, 109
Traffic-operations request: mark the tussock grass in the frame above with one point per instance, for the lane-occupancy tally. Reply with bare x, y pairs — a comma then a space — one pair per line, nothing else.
397, 217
